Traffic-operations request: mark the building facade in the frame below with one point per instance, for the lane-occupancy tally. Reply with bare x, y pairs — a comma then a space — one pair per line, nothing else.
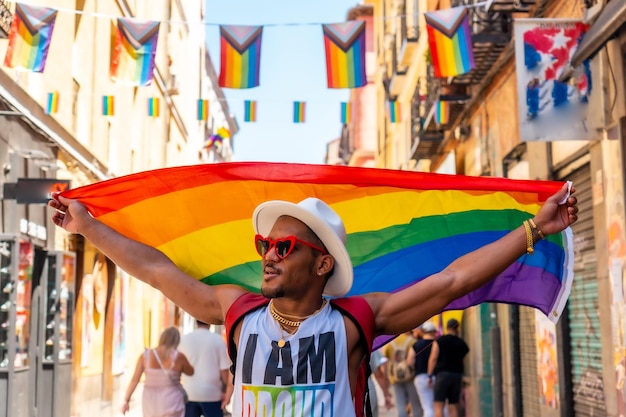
520, 364
73, 324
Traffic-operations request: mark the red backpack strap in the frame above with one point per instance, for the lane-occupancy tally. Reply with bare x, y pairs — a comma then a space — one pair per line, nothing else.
359, 311
243, 305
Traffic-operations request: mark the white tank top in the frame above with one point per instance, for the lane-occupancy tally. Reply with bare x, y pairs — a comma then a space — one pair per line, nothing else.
308, 377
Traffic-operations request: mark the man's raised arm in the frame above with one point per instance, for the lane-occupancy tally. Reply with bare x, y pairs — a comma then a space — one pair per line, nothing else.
204, 302
402, 311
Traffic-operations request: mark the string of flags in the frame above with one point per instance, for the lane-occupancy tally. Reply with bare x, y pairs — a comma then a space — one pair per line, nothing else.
134, 45
153, 109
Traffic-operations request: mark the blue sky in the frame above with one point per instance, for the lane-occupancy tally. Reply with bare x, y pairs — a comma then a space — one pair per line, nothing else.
292, 69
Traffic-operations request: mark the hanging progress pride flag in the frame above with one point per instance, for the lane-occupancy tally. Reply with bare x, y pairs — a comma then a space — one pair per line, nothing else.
108, 106
52, 103
344, 44
29, 37
133, 49
299, 108
249, 111
240, 56
450, 41
442, 112
402, 226
393, 111
153, 107
203, 109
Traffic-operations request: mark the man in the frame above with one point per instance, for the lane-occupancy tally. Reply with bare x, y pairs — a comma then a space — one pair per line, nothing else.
303, 258
210, 387
418, 356
400, 372
446, 364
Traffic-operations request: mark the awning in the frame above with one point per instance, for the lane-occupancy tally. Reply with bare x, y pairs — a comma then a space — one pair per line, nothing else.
611, 18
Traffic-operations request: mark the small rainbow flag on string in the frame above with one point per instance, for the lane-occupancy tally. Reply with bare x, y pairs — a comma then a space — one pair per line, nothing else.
450, 41
344, 44
153, 107
442, 112
298, 111
393, 111
133, 50
346, 112
240, 56
29, 37
395, 220
108, 106
249, 111
52, 103
203, 109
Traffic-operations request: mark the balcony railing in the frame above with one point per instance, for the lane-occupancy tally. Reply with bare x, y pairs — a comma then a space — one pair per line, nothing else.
405, 42
5, 19
492, 32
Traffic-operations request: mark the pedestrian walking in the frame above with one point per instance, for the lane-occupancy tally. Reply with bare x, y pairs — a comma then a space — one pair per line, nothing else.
210, 387
163, 395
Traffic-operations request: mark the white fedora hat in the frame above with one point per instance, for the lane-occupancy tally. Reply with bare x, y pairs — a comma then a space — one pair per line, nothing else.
325, 223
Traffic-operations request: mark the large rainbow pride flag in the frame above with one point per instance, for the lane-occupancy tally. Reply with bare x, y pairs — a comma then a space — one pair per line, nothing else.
133, 50
240, 56
402, 226
450, 41
344, 44
29, 37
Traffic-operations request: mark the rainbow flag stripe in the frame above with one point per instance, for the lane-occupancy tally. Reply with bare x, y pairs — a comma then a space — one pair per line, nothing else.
133, 50
442, 112
29, 37
240, 56
52, 103
450, 41
249, 111
346, 112
393, 111
344, 44
402, 225
153, 107
299, 108
108, 106
203, 109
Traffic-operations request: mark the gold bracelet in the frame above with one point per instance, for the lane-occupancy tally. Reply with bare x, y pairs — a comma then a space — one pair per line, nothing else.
529, 238
536, 229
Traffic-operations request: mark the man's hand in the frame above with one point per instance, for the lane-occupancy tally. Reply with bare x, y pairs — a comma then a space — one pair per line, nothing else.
554, 217
70, 214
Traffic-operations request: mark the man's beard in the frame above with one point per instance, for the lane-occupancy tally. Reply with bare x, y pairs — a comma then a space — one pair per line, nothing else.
272, 292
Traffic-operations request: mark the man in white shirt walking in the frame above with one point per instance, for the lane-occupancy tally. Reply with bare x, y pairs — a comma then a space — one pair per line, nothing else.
210, 388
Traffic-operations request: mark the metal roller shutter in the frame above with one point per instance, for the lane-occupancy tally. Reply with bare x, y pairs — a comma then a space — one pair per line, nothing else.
528, 356
584, 320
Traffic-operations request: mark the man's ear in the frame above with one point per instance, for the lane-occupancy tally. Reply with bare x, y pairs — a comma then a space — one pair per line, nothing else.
326, 264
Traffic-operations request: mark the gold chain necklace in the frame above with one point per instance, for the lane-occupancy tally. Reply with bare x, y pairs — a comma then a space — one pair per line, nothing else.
279, 317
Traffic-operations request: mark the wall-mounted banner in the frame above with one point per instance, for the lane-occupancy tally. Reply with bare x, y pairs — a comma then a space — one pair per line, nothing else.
550, 109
